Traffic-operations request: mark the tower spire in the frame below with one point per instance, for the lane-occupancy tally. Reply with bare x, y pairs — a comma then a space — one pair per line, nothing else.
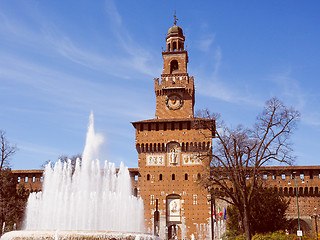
175, 18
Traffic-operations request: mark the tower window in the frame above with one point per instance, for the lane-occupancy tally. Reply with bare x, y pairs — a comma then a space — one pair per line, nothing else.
186, 176
174, 66
148, 177
160, 177
173, 177
174, 46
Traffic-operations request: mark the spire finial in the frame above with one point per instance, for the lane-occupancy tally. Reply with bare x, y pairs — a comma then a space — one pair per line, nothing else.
175, 18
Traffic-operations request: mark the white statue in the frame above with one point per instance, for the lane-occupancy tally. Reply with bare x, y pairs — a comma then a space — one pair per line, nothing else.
173, 156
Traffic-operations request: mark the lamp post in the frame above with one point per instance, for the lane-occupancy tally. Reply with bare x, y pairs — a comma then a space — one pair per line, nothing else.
212, 203
296, 186
315, 221
156, 220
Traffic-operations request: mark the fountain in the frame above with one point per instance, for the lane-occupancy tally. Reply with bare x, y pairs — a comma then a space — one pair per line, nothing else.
84, 202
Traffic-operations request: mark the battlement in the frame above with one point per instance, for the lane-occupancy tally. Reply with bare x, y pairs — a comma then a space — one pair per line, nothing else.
182, 82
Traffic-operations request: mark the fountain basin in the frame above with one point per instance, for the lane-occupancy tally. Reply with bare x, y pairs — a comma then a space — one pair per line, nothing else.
76, 235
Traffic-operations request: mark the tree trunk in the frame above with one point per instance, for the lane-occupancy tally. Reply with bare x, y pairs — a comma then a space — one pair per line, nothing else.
246, 222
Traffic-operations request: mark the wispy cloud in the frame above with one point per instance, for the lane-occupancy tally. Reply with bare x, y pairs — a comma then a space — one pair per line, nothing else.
289, 88
122, 60
51, 82
312, 118
65, 90
140, 57
205, 44
214, 86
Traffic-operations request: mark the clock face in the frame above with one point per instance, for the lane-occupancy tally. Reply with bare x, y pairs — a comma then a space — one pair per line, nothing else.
174, 101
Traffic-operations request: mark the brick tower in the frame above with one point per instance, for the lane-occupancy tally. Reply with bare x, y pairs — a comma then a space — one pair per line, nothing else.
168, 149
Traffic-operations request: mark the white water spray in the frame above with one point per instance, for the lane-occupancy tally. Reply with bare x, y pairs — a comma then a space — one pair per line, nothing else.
90, 198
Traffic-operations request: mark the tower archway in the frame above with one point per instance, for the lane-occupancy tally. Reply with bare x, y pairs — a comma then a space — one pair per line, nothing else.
174, 66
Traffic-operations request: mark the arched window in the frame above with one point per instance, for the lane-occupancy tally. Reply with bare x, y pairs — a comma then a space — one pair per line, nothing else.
160, 177
174, 66
186, 176
138, 148
173, 205
311, 191
291, 191
174, 46
148, 177
300, 191
173, 176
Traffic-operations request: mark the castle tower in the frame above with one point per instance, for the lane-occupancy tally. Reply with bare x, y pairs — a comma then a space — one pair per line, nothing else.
175, 93
169, 149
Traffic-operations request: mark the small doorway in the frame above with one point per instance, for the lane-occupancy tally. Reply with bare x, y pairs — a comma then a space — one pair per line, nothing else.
174, 232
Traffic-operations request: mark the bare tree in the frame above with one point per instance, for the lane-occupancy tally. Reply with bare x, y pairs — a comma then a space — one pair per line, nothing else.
65, 158
6, 150
73, 159
239, 154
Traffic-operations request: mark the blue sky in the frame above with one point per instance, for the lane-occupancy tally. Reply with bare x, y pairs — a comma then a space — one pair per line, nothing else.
60, 60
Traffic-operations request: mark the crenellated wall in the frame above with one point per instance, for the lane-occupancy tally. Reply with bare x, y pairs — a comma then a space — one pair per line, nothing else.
281, 178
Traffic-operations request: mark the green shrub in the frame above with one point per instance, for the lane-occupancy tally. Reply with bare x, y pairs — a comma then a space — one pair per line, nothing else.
280, 235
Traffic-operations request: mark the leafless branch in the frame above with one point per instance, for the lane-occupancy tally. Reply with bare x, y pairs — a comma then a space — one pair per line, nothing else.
6, 150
